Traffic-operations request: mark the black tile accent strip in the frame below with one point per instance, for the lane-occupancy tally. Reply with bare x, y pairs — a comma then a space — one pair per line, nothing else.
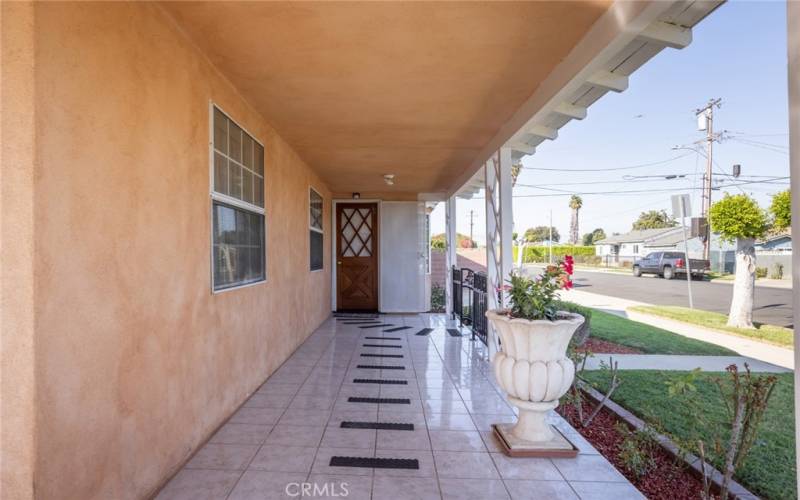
383, 338
383, 401
397, 329
451, 331
370, 355
375, 463
383, 345
381, 367
379, 381
384, 426
425, 331
359, 322
376, 326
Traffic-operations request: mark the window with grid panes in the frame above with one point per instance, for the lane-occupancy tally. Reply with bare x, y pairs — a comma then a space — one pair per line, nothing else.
315, 235
237, 195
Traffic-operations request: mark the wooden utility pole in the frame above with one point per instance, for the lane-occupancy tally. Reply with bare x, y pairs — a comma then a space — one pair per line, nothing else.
705, 121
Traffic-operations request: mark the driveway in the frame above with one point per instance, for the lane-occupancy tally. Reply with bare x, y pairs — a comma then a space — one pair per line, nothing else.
772, 305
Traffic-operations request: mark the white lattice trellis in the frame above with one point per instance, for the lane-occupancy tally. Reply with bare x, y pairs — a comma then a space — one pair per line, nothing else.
498, 232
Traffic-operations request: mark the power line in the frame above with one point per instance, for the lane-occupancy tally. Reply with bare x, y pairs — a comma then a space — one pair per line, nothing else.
643, 165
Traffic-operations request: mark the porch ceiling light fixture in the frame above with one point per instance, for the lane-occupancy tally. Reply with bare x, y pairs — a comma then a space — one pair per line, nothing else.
389, 179
356, 196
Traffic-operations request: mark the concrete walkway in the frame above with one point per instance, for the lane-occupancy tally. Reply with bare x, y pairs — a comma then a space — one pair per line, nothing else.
682, 363
753, 350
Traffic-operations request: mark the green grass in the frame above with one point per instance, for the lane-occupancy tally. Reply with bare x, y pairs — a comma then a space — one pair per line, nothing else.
768, 471
649, 339
772, 334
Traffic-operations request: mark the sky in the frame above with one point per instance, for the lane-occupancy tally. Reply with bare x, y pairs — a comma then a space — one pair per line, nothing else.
738, 54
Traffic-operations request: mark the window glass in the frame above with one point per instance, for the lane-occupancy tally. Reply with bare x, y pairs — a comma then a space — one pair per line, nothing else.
316, 239
238, 247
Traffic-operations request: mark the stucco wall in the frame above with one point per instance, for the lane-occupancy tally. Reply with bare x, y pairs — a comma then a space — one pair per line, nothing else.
17, 158
136, 361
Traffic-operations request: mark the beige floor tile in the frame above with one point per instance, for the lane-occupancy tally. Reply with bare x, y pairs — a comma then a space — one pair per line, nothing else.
222, 456
279, 458
405, 488
199, 485
446, 440
467, 465
263, 485
241, 434
540, 490
473, 489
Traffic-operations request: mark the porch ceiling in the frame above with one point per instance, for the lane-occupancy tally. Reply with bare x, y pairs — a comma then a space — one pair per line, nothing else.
364, 89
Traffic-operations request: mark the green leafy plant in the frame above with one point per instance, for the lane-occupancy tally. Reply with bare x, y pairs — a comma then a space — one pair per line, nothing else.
777, 271
654, 219
537, 298
437, 298
637, 449
781, 210
761, 272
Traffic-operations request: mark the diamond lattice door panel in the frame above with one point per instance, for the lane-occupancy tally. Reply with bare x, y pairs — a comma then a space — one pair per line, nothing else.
357, 256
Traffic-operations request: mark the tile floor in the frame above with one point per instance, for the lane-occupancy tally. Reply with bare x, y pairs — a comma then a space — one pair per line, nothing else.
280, 442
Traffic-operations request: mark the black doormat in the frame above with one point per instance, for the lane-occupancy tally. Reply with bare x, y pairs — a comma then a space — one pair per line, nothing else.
425, 331
383, 345
376, 326
381, 367
383, 401
379, 381
369, 355
383, 338
397, 329
383, 426
375, 463
355, 315
362, 322
451, 331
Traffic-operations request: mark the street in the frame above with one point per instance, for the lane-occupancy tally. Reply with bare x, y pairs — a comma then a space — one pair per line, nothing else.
772, 305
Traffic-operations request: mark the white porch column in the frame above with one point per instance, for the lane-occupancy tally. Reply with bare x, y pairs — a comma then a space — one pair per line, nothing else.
450, 251
499, 215
793, 32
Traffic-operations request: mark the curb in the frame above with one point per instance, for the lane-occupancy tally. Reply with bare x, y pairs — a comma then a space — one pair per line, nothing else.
736, 490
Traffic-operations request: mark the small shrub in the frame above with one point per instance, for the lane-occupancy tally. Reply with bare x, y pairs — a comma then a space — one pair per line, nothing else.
637, 449
437, 298
761, 272
777, 271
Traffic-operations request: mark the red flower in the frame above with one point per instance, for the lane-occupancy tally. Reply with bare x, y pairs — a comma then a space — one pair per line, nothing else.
568, 285
568, 264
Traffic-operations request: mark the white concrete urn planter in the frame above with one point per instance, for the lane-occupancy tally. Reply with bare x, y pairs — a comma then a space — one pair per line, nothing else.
532, 367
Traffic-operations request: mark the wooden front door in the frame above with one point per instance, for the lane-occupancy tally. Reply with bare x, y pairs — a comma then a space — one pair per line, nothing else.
357, 256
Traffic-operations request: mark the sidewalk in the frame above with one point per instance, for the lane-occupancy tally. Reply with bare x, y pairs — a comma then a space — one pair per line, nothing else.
762, 282
682, 363
754, 350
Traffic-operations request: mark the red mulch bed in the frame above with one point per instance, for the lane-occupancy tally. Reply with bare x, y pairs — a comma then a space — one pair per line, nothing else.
668, 480
605, 347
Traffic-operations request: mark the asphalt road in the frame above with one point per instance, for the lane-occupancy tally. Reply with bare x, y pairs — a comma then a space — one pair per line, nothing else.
772, 305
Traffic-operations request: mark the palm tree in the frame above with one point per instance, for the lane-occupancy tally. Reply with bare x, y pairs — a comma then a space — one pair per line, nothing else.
575, 203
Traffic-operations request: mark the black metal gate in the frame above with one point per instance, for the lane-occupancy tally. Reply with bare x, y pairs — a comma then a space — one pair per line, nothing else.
470, 301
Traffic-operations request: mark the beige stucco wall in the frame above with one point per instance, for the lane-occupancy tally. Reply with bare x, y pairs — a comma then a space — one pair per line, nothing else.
17, 159
136, 362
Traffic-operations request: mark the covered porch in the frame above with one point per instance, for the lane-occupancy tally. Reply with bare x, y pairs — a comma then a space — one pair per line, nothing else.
441, 402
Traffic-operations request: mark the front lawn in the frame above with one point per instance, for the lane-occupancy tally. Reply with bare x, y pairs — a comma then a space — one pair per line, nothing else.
649, 339
772, 334
768, 471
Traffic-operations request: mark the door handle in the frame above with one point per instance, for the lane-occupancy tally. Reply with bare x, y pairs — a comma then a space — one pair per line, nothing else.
338, 262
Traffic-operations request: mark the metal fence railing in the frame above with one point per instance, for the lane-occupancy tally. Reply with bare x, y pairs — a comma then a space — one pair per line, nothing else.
470, 301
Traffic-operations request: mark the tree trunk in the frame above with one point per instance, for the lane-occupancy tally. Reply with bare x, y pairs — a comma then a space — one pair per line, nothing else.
573, 227
744, 285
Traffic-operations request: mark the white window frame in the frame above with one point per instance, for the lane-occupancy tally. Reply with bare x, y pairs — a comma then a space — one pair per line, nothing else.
230, 200
428, 241
316, 230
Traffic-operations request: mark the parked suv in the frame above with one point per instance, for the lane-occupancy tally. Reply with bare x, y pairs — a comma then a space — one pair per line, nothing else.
669, 264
